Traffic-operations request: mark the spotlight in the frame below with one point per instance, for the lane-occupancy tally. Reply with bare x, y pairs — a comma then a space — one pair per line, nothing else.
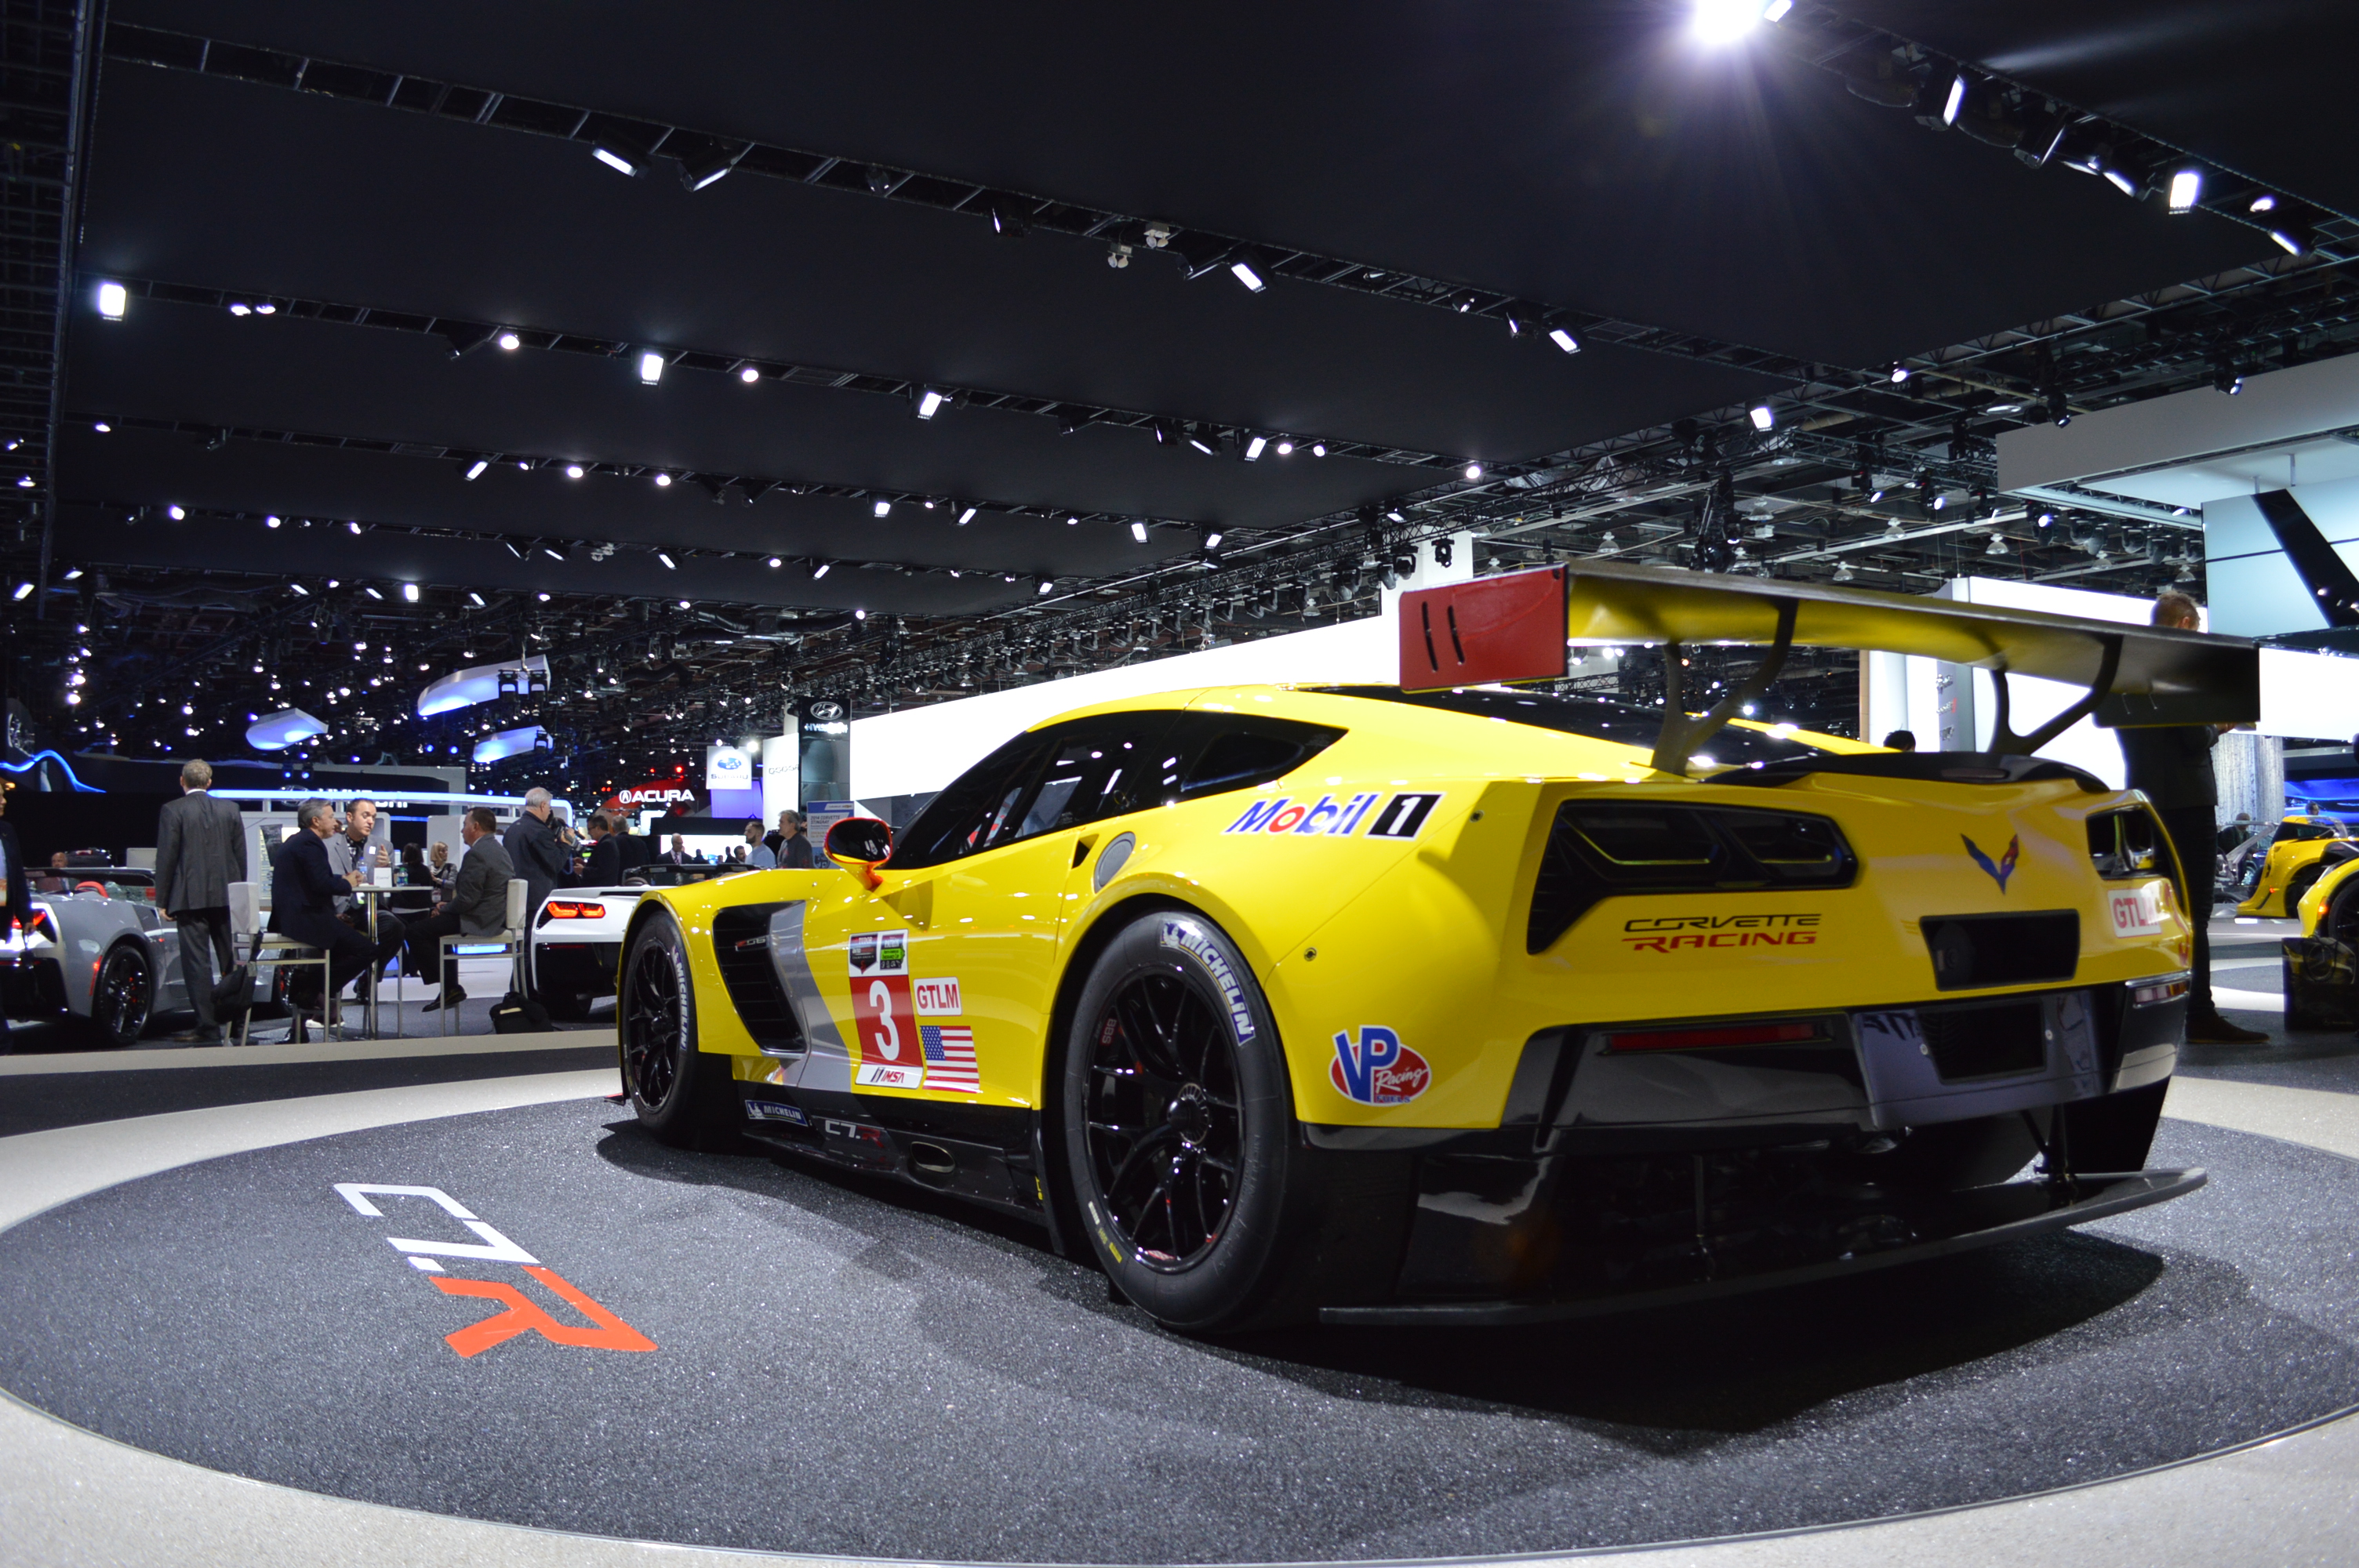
510, 341
929, 403
2186, 189
176, 512
663, 481
776, 562
371, 590
24, 590
2119, 181
239, 307
552, 552
2058, 412
1205, 438
821, 570
2292, 243
1139, 532
967, 515
696, 173
474, 598
302, 592
748, 374
573, 471
2263, 202
1997, 545
1046, 585
1899, 372
1254, 448
1007, 221
1725, 21
882, 508
475, 469
1561, 336
112, 298
1243, 270
1761, 416
102, 427
2227, 379
623, 159
1473, 471
1286, 449
651, 366
1212, 541
665, 557
354, 527
1318, 449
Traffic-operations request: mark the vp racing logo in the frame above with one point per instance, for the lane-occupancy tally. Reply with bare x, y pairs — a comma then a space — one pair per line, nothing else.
2005, 867
1376, 1068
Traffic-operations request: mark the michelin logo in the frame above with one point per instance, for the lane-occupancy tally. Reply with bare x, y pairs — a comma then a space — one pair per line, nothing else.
1402, 816
1188, 940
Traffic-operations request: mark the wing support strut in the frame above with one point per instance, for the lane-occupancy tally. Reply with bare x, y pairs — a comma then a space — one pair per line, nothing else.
1683, 732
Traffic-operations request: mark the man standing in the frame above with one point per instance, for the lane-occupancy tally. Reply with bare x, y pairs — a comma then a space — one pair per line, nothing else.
634, 848
349, 852
2172, 763
200, 851
678, 854
478, 905
303, 892
794, 843
758, 853
15, 892
603, 868
534, 850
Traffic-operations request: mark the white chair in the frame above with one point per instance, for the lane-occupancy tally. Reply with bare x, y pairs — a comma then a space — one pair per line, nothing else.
246, 925
510, 940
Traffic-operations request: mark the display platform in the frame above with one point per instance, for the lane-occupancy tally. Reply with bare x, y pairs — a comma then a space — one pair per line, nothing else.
578, 1329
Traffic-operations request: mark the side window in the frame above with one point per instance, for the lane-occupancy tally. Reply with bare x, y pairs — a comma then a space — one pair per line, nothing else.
1228, 751
1100, 767
979, 809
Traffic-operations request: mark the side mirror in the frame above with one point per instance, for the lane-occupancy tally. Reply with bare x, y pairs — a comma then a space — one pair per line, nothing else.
861, 843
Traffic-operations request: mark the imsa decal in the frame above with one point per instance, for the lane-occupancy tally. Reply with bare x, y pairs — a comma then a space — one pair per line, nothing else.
1402, 817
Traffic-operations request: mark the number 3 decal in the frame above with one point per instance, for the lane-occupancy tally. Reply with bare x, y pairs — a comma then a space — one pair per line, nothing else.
888, 1039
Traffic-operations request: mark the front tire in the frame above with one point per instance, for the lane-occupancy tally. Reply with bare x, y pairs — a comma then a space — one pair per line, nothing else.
121, 997
1196, 1194
681, 1095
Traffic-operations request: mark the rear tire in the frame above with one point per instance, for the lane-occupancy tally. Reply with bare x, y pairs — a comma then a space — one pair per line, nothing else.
681, 1095
2341, 920
2298, 889
121, 997
1196, 1194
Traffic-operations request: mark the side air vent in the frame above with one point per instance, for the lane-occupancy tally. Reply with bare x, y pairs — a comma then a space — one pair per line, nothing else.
1974, 950
741, 947
1604, 848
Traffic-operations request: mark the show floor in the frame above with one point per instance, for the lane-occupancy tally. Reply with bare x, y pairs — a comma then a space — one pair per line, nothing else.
843, 1369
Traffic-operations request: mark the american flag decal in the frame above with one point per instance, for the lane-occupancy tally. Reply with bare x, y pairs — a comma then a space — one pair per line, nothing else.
949, 1058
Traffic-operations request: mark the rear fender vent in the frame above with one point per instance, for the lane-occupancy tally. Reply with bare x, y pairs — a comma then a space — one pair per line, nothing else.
1971, 951
741, 948
1600, 849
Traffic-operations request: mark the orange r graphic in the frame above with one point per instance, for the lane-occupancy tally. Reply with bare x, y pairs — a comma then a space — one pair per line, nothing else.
523, 1318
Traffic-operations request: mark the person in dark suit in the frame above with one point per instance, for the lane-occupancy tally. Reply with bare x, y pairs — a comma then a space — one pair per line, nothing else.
794, 842
15, 892
303, 892
478, 905
2172, 763
604, 866
637, 851
533, 848
200, 851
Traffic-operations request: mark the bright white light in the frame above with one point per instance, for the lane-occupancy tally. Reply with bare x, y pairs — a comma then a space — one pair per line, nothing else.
1473, 471
354, 526
475, 469
1899, 373
929, 403
614, 161
265, 309
2186, 189
510, 341
1212, 541
112, 298
2286, 242
410, 591
967, 517
1318, 449
573, 471
1564, 340
665, 557
1046, 586
1725, 21
1286, 449
373, 593
860, 615
1254, 448
241, 308
302, 592
474, 598
663, 481
1139, 532
1763, 416
176, 513
1246, 275
776, 562
1939, 502
24, 590
882, 508
1956, 101
2264, 204
651, 367
821, 570
270, 521
102, 427
749, 375
2119, 180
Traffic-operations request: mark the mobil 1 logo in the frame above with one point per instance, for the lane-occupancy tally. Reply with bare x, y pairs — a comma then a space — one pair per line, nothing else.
1402, 817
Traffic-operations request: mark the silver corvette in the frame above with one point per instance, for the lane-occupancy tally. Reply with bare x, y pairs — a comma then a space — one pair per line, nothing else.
96, 952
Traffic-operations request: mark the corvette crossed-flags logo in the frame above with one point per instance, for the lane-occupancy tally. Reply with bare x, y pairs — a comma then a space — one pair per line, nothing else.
2005, 867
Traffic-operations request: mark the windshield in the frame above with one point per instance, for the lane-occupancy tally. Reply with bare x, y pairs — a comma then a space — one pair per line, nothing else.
1599, 718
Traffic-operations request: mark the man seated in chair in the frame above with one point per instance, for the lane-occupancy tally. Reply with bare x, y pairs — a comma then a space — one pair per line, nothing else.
478, 905
303, 892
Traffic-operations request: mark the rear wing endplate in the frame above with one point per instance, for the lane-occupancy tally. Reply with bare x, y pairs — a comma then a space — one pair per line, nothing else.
1516, 626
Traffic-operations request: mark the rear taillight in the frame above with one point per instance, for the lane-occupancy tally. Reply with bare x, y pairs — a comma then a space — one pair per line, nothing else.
2126, 844
2154, 994
1602, 849
1715, 1036
574, 909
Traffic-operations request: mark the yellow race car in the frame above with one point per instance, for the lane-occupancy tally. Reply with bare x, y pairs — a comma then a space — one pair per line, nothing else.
1454, 1003
2304, 849
2321, 965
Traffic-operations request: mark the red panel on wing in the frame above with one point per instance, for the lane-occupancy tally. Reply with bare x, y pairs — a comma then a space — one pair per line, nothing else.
1504, 628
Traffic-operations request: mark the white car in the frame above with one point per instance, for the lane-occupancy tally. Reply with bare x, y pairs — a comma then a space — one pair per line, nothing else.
577, 938
96, 952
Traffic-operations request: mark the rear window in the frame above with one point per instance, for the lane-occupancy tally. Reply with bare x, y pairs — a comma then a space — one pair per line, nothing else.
1595, 718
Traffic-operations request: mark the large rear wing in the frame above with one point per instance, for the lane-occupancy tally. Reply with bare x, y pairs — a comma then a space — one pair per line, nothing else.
1516, 626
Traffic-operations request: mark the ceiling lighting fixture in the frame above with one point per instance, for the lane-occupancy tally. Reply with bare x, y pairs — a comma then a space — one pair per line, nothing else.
1139, 532
663, 481
240, 308
1241, 269
1318, 449
24, 590
302, 592
2186, 189
822, 570
1899, 372
1212, 541
1473, 471
881, 507
2290, 243
614, 156
748, 374
1286, 449
369, 590
1763, 416
1204, 438
777, 562
929, 403
112, 298
2119, 181
651, 366
1254, 448
102, 427
475, 469
474, 598
176, 512
665, 557
1046, 585
409, 592
510, 341
696, 173
573, 471
2263, 202
1561, 336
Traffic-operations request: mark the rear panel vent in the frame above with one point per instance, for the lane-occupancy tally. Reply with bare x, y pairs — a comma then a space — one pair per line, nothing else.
1993, 1042
1976, 950
741, 947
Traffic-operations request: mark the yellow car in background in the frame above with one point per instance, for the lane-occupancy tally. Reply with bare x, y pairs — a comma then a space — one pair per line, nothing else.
2304, 849
1375, 1004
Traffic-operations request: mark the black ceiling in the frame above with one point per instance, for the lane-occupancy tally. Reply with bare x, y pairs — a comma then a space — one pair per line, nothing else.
1578, 155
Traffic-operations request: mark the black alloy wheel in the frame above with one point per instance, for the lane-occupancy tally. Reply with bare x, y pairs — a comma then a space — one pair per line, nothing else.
123, 996
2342, 917
1166, 1122
681, 1095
